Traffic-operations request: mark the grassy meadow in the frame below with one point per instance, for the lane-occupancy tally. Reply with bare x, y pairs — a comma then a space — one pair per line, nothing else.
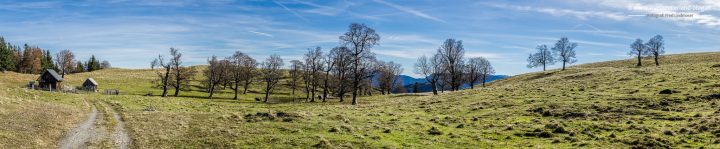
599, 105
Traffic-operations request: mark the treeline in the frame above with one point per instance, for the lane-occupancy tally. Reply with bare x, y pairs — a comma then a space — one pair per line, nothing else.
349, 69
345, 70
34, 60
449, 69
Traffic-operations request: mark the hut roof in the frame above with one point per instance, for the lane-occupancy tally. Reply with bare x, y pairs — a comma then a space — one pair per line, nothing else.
53, 74
91, 80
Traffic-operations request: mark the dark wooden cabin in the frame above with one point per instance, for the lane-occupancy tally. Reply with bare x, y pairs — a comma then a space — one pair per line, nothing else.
50, 80
90, 84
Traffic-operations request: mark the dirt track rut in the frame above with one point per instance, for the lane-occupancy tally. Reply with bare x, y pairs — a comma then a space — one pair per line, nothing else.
93, 132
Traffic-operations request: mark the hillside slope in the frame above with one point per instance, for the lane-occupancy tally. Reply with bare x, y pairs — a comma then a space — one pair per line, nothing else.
600, 105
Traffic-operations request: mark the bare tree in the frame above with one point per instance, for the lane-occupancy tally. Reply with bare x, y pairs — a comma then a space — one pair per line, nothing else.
164, 74
271, 73
431, 70
329, 62
656, 47
105, 64
237, 72
248, 71
341, 68
542, 58
565, 51
451, 52
215, 74
177, 70
154, 63
638, 49
473, 67
387, 76
314, 64
65, 61
296, 68
359, 39
486, 70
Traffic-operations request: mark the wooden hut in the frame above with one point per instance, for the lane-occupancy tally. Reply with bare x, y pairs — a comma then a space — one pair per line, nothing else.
90, 84
50, 80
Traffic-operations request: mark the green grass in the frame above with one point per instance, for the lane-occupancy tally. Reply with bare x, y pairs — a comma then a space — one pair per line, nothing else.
600, 105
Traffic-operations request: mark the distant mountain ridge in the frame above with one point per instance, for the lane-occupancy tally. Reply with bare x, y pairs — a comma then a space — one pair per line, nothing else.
408, 82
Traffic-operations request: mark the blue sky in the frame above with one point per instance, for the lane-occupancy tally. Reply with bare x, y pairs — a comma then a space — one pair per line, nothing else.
131, 33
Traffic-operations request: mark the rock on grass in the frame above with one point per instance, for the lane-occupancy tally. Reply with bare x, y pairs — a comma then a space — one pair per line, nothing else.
435, 131
324, 143
668, 91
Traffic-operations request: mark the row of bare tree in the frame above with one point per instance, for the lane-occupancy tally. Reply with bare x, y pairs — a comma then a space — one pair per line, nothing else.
563, 51
653, 48
449, 68
346, 69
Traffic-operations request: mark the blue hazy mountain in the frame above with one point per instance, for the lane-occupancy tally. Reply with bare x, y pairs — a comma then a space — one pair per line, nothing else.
408, 82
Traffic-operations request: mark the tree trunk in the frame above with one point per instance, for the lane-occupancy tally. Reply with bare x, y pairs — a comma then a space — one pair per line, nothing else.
563, 65
165, 81
325, 87
312, 99
543, 66
212, 90
267, 95
639, 60
472, 84
434, 87
354, 95
657, 63
177, 87
236, 90
483, 80
245, 86
341, 93
267, 91
307, 91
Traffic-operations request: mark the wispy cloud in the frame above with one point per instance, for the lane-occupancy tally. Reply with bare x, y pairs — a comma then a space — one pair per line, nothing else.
666, 7
580, 14
290, 10
325, 10
482, 54
410, 11
261, 33
29, 5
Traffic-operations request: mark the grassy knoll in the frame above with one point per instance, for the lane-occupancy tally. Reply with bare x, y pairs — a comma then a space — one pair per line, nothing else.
600, 105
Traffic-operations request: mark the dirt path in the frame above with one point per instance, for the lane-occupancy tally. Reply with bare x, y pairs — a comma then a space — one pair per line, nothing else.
83, 133
93, 132
119, 136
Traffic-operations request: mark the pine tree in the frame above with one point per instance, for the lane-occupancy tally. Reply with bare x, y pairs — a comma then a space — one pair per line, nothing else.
47, 61
8, 60
93, 64
80, 67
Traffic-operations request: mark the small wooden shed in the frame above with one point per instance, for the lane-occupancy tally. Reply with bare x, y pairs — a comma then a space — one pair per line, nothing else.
50, 80
90, 84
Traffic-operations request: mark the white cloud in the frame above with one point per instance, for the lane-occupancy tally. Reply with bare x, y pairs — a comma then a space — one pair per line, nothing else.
580, 14
325, 10
410, 11
290, 10
482, 54
701, 17
261, 33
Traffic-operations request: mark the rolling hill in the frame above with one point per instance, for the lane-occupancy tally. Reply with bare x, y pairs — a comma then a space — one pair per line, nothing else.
598, 105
